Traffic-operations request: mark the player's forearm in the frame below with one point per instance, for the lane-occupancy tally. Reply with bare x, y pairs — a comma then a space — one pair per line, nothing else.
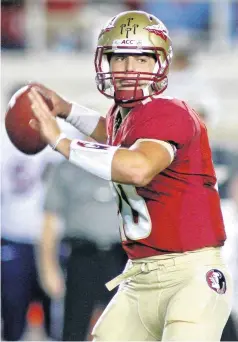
127, 166
136, 166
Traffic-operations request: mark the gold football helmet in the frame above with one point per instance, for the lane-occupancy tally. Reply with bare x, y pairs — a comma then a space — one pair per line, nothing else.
133, 32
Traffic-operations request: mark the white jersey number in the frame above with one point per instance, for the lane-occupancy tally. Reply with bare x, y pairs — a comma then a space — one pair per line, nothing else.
134, 212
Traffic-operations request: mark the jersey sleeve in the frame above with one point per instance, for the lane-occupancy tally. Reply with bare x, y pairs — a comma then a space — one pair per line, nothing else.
168, 121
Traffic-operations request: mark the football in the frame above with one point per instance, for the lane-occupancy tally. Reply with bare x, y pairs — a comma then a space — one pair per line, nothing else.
17, 118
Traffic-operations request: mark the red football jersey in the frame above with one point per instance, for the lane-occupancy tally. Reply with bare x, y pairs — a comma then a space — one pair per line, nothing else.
179, 210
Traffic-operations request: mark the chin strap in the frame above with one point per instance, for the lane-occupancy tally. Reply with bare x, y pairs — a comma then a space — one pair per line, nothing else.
126, 98
128, 95
127, 104
130, 98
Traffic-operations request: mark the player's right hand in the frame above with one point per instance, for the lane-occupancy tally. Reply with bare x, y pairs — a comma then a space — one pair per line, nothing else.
61, 107
53, 282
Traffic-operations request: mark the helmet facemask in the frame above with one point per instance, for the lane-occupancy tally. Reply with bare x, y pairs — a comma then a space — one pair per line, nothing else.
154, 82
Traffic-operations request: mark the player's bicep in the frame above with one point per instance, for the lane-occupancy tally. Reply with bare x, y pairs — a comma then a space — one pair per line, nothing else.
159, 154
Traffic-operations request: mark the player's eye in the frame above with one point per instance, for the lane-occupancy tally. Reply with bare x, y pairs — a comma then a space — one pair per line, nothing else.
142, 59
119, 58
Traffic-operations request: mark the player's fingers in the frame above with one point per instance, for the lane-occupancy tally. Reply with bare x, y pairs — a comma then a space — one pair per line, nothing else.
34, 124
40, 100
47, 93
34, 105
41, 88
36, 112
38, 106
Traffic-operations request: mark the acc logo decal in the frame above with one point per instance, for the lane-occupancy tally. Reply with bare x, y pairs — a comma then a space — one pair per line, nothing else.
216, 281
133, 42
95, 146
160, 30
128, 41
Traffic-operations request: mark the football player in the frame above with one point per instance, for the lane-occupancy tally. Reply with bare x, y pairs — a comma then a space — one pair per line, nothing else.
155, 150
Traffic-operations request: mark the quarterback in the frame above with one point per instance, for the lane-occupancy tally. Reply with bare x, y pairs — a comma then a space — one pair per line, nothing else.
155, 151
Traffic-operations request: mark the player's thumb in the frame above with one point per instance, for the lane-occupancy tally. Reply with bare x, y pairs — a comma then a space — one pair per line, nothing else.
34, 124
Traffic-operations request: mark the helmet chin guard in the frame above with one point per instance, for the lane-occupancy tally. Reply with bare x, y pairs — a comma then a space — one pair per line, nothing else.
126, 98
133, 32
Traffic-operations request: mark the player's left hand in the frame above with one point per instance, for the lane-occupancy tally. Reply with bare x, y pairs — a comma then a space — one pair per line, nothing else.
44, 121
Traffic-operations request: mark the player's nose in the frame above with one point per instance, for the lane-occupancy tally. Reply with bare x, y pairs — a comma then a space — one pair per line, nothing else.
130, 63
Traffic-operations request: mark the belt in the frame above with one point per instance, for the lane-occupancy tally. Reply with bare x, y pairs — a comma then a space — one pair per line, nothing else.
151, 265
134, 270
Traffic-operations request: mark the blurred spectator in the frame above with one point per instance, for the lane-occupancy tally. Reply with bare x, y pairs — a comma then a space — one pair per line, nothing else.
22, 192
87, 208
12, 24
